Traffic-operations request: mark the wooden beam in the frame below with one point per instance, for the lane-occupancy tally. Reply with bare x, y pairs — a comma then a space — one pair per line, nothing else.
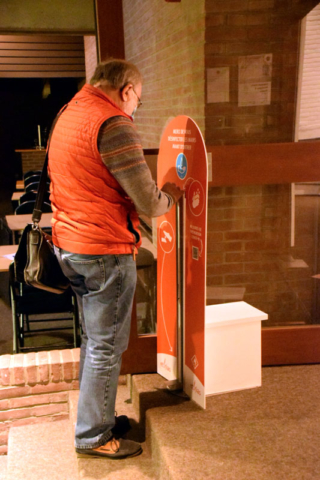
110, 30
150, 151
42, 68
42, 61
41, 53
263, 164
42, 38
38, 74
291, 345
302, 7
32, 56
141, 356
41, 46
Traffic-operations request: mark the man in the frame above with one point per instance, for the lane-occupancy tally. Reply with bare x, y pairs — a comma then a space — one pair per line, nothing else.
99, 183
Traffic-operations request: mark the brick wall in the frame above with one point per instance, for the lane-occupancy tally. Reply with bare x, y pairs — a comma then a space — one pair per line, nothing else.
250, 252
248, 234
32, 160
166, 41
34, 388
249, 228
235, 29
174, 44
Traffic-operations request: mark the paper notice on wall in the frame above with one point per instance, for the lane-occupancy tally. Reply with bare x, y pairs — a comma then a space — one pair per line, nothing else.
218, 80
255, 73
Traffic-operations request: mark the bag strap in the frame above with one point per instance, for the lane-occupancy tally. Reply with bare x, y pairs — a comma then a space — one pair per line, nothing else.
37, 211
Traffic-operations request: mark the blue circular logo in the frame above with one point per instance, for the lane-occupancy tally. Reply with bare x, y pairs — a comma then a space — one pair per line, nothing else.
181, 166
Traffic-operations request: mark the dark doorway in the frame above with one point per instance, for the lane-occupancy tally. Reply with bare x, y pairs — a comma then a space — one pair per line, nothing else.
26, 103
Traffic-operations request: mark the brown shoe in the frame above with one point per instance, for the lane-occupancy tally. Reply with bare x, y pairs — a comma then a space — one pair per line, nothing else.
113, 449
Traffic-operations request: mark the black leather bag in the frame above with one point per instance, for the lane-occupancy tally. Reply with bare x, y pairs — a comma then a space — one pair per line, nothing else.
35, 262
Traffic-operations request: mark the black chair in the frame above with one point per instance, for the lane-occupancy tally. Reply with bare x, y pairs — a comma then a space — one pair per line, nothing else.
30, 196
30, 173
32, 179
33, 187
27, 207
5, 232
32, 306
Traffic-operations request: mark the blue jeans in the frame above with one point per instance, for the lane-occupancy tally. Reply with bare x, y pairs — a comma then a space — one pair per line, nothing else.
104, 286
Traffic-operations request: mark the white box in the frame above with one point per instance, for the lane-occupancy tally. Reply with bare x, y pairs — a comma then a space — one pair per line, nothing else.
232, 347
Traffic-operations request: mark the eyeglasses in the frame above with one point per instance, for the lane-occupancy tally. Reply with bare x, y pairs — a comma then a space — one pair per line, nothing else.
139, 101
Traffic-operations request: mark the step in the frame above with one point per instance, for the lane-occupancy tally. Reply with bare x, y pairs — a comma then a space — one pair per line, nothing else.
3, 467
46, 450
150, 394
263, 433
136, 468
149, 391
42, 451
270, 432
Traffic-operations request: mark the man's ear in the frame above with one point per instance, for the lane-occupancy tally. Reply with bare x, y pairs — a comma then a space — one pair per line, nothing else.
124, 92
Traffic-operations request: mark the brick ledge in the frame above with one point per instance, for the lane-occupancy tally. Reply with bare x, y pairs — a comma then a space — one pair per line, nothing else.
34, 388
39, 367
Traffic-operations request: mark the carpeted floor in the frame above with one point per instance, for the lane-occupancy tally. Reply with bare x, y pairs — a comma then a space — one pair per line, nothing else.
267, 433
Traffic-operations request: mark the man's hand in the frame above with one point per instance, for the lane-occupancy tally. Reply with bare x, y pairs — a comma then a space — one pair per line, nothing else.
173, 190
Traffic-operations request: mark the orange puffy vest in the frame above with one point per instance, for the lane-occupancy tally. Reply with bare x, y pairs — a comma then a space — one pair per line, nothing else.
91, 212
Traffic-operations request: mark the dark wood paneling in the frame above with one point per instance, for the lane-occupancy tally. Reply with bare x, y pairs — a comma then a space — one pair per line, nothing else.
291, 345
265, 163
40, 38
37, 74
41, 46
302, 7
37, 53
151, 151
42, 56
110, 29
141, 356
40, 68
42, 61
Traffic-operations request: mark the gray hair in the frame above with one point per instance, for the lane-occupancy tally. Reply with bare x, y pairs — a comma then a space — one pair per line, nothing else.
116, 73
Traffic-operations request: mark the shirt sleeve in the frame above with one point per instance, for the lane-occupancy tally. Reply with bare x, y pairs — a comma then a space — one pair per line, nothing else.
120, 148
